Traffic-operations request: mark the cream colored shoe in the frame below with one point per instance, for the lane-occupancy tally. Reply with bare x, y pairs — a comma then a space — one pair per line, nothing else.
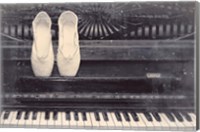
42, 56
68, 57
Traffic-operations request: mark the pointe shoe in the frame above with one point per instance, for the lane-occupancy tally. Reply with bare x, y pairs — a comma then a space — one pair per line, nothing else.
68, 57
42, 56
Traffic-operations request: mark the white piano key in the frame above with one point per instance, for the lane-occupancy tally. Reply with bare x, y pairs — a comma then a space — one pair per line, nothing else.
88, 122
28, 122
110, 121
126, 124
65, 122
21, 121
193, 123
179, 124
1, 118
193, 116
8, 121
140, 123
102, 122
157, 125
36, 122
164, 123
80, 122
43, 122
50, 122
58, 122
172, 125
95, 123
118, 124
133, 124
148, 124
72, 122
14, 121
188, 124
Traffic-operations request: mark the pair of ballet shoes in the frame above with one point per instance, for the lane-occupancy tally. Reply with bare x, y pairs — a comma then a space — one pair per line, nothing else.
68, 55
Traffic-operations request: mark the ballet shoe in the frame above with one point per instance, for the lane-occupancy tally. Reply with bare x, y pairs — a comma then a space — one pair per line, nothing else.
68, 56
42, 56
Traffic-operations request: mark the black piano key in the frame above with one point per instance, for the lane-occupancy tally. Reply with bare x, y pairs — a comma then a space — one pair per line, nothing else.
96, 115
135, 116
187, 116
170, 116
76, 116
6, 115
55, 115
156, 116
148, 116
105, 116
34, 117
27, 113
118, 116
68, 117
126, 116
178, 116
47, 115
84, 116
19, 114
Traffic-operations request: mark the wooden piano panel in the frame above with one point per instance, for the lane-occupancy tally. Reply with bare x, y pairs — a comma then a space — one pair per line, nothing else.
156, 70
109, 59
109, 21
147, 50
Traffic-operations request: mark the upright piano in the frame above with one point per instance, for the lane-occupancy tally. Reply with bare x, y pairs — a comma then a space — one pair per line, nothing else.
136, 72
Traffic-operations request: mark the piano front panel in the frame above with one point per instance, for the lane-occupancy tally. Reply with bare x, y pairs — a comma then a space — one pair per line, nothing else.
135, 72
137, 68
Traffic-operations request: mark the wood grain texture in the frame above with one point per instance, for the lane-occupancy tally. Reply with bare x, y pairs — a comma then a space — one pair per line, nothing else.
96, 84
114, 50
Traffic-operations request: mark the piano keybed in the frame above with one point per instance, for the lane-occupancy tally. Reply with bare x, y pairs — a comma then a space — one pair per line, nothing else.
100, 120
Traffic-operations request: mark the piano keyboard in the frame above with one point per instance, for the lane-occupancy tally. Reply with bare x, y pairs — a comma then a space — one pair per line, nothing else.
99, 120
